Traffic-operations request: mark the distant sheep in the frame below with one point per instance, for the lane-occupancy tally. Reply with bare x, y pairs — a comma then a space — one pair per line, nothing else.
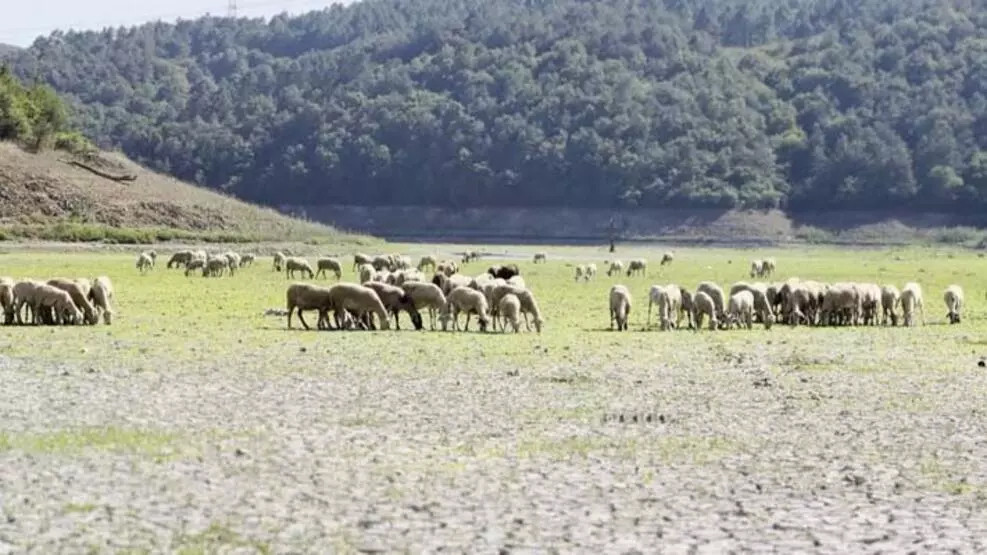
247, 260
620, 307
540, 257
580, 272
637, 266
279, 259
953, 297
194, 264
215, 266
506, 271
666, 258
296, 264
590, 271
325, 265
911, 300
180, 258
427, 261
616, 266
360, 259
145, 262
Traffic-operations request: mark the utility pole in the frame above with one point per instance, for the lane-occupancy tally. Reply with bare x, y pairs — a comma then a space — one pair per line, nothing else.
231, 8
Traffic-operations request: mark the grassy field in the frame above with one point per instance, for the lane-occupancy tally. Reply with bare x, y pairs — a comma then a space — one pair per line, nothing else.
196, 422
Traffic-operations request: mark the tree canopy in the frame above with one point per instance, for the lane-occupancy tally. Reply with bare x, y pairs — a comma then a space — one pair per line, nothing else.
798, 104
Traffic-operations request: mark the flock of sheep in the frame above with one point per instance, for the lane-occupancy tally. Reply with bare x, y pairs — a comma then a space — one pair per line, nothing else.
58, 301
390, 284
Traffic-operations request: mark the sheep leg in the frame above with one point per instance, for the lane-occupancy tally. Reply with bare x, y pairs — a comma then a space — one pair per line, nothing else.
527, 326
302, 320
469, 313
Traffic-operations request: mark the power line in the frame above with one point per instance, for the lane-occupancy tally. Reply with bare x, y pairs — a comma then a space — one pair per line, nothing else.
231, 8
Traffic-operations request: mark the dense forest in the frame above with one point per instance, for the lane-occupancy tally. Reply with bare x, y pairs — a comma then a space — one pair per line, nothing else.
797, 104
34, 116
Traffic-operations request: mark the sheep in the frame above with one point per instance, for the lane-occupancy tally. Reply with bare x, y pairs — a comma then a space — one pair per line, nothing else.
842, 304
295, 264
508, 308
616, 267
324, 265
540, 257
401, 262
395, 300
530, 306
741, 309
279, 258
215, 266
703, 305
55, 301
911, 299
381, 262
101, 295
24, 294
247, 260
79, 297
580, 272
304, 296
144, 262
180, 258
381, 276
517, 281
464, 299
470, 256
638, 265
504, 272
590, 271
890, 298
687, 307
768, 267
454, 281
427, 261
426, 295
620, 306
494, 290
360, 259
667, 258
715, 293
7, 299
359, 299
232, 261
669, 301
401, 276
195, 264
757, 268
953, 297
762, 306
366, 272
871, 300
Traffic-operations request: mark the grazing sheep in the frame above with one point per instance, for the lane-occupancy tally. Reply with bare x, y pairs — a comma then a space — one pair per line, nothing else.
666, 258
741, 309
247, 260
454, 281
79, 298
620, 307
616, 267
687, 308
232, 261
58, 303
871, 300
279, 258
911, 300
426, 295
381, 262
366, 272
540, 257
361, 300
890, 298
506, 271
325, 265
101, 295
530, 306
447, 267
144, 262
470, 256
401, 276
509, 309
768, 267
215, 266
953, 297
841, 305
669, 301
360, 259
517, 281
580, 271
304, 296
639, 266
715, 292
295, 264
590, 271
757, 268
195, 264
24, 294
703, 305
470, 301
427, 261
395, 300
7, 299
180, 258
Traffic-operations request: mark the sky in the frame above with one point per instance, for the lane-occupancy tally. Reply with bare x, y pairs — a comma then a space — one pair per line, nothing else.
21, 21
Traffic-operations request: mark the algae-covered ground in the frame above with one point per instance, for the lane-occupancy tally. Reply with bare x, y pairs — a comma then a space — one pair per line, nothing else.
197, 424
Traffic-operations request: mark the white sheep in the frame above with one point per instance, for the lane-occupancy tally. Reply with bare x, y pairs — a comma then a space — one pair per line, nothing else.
101, 294
911, 300
304, 296
509, 309
7, 299
295, 264
24, 293
590, 271
715, 292
464, 299
144, 262
702, 306
620, 307
427, 261
616, 266
426, 295
741, 309
360, 300
79, 295
757, 268
279, 258
953, 297
49, 300
325, 265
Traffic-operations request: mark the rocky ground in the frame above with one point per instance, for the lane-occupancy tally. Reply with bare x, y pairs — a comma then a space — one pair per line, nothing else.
708, 452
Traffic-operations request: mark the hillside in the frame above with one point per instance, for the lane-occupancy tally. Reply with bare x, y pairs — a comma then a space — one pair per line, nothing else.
803, 105
41, 195
7, 50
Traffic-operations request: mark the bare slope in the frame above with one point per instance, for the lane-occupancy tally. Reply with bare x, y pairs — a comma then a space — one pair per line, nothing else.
44, 190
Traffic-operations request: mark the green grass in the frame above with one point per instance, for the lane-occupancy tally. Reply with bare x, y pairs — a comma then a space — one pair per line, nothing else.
67, 442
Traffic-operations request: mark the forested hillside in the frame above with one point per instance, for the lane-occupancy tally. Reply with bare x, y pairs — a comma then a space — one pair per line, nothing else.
798, 104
